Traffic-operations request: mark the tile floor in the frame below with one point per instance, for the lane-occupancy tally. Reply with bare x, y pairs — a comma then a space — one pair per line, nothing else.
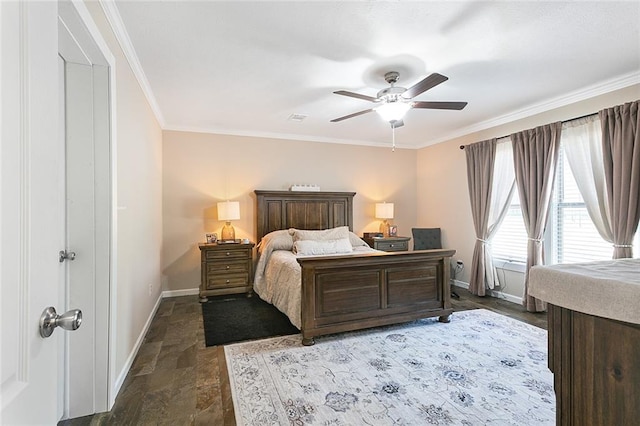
176, 380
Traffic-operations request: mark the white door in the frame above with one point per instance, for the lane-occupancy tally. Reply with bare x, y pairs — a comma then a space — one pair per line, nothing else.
30, 213
48, 99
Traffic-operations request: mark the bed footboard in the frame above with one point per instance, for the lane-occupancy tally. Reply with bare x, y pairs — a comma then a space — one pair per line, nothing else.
369, 290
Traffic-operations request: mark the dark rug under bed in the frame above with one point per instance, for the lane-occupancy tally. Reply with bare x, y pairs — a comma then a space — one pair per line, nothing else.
236, 318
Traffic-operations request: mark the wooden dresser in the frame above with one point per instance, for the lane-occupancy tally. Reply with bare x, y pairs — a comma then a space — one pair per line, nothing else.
389, 243
594, 339
225, 269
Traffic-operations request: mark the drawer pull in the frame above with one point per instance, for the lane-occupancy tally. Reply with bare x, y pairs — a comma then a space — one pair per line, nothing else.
228, 281
228, 266
228, 254
392, 245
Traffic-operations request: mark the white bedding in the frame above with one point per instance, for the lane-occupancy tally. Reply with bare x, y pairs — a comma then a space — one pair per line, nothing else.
277, 279
608, 289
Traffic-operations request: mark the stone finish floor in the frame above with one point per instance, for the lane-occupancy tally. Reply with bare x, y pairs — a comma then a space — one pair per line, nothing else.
176, 380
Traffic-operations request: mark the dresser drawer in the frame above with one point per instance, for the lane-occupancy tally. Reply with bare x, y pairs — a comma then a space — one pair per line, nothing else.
392, 245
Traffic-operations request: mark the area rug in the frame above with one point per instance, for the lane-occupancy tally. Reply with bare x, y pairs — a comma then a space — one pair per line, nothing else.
482, 368
237, 318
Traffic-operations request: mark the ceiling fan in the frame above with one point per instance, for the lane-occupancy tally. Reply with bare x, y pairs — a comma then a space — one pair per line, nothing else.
396, 101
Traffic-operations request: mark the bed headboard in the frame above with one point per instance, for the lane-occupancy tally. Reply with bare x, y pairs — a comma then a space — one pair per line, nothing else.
302, 210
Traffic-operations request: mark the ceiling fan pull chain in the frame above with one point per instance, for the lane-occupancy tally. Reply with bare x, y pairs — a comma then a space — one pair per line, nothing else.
393, 137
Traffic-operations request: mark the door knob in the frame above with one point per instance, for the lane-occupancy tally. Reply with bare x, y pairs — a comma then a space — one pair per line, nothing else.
49, 320
66, 255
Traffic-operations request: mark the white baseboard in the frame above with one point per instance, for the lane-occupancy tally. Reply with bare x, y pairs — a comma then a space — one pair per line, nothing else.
460, 284
506, 296
493, 293
178, 293
132, 355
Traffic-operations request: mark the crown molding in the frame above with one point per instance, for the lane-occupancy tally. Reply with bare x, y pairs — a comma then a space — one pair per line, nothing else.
558, 102
287, 136
115, 20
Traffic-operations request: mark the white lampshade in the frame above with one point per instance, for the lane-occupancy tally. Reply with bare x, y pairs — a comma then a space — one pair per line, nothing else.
229, 210
393, 111
384, 210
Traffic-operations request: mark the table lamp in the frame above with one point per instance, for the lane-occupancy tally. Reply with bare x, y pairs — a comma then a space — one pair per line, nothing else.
228, 211
384, 211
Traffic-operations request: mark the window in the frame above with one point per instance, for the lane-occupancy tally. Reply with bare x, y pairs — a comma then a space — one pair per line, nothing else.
571, 236
574, 236
510, 242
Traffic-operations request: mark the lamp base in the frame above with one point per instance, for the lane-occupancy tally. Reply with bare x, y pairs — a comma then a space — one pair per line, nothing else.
228, 233
384, 228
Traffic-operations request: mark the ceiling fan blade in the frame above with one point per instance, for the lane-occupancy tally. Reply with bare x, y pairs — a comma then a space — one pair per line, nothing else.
355, 114
440, 105
396, 123
422, 86
356, 95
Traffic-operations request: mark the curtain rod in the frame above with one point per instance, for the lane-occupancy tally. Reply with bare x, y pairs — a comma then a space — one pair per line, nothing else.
566, 121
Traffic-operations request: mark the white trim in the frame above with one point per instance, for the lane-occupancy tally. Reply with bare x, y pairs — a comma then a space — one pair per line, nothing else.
564, 100
136, 347
506, 296
178, 293
25, 195
96, 35
460, 284
509, 265
113, 296
115, 20
492, 293
85, 15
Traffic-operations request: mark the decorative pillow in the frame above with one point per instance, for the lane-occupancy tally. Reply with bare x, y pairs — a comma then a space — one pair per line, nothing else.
276, 240
338, 233
357, 241
317, 247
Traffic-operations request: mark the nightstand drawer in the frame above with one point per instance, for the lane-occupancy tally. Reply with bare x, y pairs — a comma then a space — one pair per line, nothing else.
392, 245
230, 266
389, 243
227, 280
227, 254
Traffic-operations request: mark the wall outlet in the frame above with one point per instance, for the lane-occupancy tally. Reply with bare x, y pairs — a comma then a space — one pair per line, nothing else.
150, 289
459, 263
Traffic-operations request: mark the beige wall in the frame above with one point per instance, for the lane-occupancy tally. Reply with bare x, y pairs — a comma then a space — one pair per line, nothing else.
443, 197
138, 149
201, 169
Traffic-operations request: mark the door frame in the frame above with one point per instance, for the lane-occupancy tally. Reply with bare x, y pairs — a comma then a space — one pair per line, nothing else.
77, 19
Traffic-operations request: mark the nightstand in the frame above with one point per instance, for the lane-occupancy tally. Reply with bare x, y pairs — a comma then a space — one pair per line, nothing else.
389, 243
225, 269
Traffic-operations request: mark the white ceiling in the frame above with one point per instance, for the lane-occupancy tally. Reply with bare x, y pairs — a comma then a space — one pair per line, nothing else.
243, 68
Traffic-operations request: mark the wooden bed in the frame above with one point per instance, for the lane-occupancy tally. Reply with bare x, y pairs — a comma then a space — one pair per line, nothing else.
344, 293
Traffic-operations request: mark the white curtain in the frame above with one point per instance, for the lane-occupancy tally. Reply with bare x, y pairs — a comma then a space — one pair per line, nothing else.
582, 141
502, 189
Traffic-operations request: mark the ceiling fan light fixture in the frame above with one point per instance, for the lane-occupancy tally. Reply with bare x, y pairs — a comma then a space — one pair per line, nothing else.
393, 111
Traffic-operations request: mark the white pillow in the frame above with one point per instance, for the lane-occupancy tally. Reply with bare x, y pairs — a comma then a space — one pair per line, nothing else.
338, 233
317, 247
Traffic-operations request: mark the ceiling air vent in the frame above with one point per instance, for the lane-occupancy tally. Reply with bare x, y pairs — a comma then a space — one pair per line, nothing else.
297, 117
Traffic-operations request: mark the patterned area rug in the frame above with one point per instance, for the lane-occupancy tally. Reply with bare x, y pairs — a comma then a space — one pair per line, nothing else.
480, 369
